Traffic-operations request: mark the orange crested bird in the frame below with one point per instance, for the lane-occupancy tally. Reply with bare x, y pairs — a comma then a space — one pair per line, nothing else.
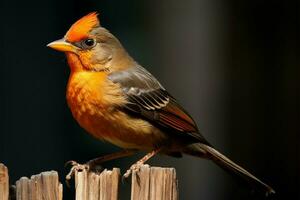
115, 99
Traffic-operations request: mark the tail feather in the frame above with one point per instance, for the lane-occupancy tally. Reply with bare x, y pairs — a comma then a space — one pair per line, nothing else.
228, 165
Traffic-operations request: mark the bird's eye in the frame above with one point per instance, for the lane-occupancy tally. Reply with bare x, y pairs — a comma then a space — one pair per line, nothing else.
88, 43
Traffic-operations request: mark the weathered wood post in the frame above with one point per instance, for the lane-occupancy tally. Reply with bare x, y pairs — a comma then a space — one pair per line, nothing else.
92, 186
152, 183
4, 182
149, 183
44, 186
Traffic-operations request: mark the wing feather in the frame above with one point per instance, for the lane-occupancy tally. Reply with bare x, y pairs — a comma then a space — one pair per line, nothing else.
147, 98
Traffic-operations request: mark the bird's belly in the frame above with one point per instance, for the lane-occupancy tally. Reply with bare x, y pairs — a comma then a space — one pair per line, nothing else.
115, 126
95, 106
121, 130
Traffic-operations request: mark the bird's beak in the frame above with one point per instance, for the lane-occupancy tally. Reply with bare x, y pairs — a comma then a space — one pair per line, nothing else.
62, 45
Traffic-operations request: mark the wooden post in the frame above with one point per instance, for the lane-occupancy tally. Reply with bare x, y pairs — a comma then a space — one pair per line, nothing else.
4, 182
92, 186
154, 183
149, 183
44, 186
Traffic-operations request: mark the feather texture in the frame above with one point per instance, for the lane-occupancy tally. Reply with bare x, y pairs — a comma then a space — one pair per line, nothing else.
147, 98
81, 28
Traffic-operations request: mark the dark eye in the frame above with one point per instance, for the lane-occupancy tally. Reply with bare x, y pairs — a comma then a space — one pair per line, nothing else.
88, 43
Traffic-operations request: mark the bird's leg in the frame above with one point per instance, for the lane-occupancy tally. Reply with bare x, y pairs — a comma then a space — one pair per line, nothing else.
136, 166
92, 164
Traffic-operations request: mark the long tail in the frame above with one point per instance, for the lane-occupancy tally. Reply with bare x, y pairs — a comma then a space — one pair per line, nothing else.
206, 151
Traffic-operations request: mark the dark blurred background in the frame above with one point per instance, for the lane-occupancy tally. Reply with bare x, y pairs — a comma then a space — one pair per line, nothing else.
233, 64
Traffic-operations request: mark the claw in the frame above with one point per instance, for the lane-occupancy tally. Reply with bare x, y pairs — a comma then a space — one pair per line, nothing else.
124, 180
75, 167
126, 175
134, 168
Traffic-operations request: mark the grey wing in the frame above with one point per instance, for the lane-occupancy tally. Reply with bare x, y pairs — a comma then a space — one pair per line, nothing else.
141, 88
148, 98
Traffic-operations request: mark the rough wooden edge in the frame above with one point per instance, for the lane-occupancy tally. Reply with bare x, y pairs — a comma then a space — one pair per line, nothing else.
154, 183
93, 186
4, 182
43, 186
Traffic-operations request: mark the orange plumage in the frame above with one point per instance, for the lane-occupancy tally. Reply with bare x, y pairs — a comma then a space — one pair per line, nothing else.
91, 97
80, 29
115, 99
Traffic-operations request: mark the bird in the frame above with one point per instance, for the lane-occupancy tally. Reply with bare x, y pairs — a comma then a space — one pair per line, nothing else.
117, 100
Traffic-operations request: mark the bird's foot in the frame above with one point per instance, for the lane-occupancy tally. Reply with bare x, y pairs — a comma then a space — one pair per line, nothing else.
76, 167
134, 168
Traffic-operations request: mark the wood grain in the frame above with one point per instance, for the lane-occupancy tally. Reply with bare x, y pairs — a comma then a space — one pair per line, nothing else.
44, 186
149, 183
154, 183
4, 182
93, 186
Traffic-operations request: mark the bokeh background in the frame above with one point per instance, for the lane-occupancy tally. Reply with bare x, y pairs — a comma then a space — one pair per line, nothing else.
234, 65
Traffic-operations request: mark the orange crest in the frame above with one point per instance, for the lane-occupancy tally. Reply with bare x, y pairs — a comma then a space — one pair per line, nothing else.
80, 29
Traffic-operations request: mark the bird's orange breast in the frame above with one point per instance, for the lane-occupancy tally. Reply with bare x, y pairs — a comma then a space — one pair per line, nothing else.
95, 101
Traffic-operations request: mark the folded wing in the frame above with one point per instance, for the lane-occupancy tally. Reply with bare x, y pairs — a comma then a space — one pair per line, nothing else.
148, 99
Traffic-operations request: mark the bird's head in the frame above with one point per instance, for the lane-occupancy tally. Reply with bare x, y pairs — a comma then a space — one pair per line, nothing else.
90, 47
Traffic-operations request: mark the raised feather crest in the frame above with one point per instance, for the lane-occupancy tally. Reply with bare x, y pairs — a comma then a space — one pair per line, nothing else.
81, 28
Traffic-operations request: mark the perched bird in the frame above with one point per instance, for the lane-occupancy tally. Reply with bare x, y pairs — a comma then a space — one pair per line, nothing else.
117, 100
